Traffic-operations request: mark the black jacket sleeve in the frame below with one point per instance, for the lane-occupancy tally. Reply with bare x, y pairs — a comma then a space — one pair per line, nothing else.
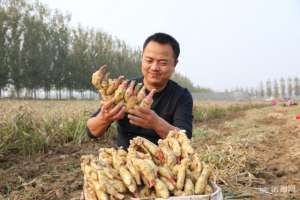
183, 116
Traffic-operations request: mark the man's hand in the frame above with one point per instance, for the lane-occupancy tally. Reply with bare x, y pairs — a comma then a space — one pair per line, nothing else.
110, 112
143, 117
147, 118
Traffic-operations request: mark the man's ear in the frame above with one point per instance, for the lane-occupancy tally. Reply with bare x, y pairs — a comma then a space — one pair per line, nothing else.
176, 61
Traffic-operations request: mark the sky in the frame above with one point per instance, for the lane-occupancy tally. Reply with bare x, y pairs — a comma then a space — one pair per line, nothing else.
224, 43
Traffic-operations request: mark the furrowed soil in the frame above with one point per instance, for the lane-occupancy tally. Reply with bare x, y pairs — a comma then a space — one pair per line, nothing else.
257, 153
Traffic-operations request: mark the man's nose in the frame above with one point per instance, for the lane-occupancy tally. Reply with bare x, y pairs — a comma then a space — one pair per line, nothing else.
155, 66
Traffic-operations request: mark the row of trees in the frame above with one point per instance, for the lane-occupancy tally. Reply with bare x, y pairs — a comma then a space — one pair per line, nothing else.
186, 82
282, 88
39, 50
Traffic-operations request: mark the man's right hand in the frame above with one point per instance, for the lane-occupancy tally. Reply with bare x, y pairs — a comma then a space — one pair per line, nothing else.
108, 114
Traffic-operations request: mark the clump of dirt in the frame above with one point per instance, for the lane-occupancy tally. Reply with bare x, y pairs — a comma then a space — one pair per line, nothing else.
280, 155
269, 120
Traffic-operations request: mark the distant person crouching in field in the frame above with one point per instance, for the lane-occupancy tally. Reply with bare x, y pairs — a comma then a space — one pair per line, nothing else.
172, 105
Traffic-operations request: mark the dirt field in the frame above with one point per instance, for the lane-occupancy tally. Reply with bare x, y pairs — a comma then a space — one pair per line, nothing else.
269, 141
256, 152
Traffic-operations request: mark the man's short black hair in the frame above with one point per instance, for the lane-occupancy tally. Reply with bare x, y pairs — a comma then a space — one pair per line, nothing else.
164, 38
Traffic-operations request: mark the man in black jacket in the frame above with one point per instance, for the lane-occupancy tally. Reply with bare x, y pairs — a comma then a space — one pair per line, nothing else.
172, 105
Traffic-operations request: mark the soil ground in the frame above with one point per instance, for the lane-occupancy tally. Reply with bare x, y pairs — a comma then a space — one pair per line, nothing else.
267, 139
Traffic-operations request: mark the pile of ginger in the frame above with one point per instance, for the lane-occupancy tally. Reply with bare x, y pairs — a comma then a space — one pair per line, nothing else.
146, 170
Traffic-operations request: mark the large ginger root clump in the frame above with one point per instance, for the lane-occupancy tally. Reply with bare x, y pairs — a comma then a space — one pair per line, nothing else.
146, 170
120, 89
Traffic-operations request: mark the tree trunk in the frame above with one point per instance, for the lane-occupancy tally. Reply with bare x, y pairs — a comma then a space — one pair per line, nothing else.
90, 94
70, 94
46, 94
34, 93
56, 93
59, 94
29, 94
18, 93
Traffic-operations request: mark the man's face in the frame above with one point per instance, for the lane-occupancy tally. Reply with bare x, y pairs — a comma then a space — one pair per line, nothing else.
158, 63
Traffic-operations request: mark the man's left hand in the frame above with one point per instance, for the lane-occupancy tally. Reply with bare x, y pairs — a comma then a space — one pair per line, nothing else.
143, 117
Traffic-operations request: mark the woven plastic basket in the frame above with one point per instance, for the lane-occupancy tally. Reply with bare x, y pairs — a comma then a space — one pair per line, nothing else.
216, 195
